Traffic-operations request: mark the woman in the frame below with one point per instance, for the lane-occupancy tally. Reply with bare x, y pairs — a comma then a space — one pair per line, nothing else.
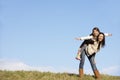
98, 44
89, 39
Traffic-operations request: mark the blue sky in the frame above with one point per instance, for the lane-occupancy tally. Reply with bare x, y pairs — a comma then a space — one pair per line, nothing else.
42, 32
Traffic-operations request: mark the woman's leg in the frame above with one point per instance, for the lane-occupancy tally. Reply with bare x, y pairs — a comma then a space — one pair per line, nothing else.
82, 58
93, 65
81, 65
92, 62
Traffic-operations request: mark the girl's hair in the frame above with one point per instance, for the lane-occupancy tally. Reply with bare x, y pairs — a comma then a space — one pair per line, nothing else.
95, 28
102, 43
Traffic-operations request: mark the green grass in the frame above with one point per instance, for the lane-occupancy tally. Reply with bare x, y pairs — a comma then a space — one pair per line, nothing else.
34, 75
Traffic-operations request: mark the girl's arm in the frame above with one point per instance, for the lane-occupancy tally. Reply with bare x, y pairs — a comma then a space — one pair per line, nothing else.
107, 34
84, 38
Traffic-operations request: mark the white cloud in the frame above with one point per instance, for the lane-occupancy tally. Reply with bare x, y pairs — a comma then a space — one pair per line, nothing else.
13, 65
17, 65
113, 70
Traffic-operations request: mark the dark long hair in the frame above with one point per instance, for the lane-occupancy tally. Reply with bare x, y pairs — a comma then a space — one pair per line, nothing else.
89, 41
95, 28
102, 43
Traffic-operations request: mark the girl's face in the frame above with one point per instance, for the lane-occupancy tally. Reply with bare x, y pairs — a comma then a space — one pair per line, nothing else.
95, 33
100, 37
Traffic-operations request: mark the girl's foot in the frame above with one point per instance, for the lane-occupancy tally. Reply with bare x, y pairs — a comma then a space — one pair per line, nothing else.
78, 58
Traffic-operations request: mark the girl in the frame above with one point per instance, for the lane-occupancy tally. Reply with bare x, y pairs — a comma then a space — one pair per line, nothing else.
89, 40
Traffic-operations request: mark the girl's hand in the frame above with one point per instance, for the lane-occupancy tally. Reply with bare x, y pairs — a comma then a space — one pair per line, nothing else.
109, 34
77, 38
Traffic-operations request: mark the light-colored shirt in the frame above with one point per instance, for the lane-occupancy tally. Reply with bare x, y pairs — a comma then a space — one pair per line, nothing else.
92, 48
91, 37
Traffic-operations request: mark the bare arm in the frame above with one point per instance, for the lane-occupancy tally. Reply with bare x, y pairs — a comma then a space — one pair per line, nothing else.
107, 34
84, 38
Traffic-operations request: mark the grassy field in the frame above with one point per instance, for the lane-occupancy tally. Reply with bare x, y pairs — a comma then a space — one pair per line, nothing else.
34, 75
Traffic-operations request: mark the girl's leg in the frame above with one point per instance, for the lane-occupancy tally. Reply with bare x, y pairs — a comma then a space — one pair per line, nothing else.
78, 57
78, 54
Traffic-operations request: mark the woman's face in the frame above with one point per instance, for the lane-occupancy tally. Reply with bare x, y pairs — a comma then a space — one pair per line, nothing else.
95, 33
100, 37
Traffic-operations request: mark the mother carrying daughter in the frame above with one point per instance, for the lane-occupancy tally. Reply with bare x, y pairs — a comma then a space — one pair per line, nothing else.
91, 45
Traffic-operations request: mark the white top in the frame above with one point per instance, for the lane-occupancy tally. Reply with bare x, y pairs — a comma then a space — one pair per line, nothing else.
91, 37
92, 48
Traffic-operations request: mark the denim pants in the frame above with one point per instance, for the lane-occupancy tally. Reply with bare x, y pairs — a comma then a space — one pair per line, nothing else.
90, 58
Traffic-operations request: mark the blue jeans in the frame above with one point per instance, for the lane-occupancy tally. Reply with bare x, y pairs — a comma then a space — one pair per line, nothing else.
91, 59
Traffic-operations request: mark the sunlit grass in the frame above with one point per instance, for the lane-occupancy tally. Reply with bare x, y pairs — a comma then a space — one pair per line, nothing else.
34, 75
